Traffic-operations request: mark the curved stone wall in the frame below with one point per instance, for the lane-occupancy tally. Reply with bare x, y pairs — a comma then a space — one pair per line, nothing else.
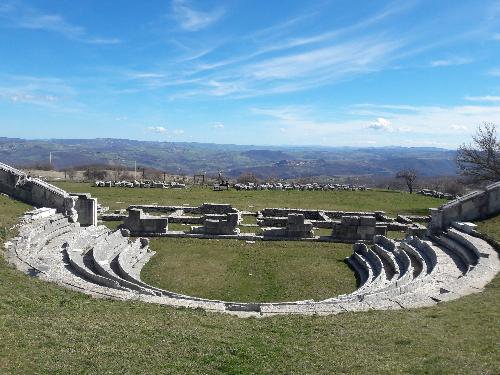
393, 275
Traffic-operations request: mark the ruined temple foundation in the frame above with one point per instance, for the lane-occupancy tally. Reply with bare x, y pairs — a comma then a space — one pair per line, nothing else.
357, 228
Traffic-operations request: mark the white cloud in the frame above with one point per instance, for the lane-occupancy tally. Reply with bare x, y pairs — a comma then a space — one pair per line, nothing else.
191, 19
218, 125
103, 41
458, 127
282, 130
486, 98
156, 129
178, 131
494, 72
333, 61
451, 61
295, 71
496, 36
26, 17
434, 120
34, 99
42, 91
145, 75
422, 125
380, 124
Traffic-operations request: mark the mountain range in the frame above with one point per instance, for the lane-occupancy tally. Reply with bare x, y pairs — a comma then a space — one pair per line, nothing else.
234, 160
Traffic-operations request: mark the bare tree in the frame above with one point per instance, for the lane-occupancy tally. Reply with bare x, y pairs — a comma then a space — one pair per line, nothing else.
481, 158
409, 175
71, 174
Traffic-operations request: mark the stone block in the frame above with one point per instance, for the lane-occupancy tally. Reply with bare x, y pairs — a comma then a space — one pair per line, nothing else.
367, 221
350, 220
137, 222
295, 219
381, 230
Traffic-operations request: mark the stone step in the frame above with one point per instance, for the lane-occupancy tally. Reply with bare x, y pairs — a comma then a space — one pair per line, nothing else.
460, 252
391, 265
105, 262
379, 276
76, 259
426, 250
128, 259
463, 239
418, 262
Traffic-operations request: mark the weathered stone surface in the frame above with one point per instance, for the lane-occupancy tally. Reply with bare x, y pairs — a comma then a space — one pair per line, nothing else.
393, 274
139, 223
38, 193
219, 224
356, 228
86, 208
297, 227
470, 207
416, 230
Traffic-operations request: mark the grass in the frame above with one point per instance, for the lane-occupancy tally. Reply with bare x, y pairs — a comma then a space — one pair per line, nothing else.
48, 329
491, 227
393, 202
263, 271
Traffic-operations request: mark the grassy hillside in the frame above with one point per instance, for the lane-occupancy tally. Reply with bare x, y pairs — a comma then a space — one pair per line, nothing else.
393, 202
491, 227
48, 329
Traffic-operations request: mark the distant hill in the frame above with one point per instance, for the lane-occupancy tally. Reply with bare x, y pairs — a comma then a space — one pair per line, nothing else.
189, 158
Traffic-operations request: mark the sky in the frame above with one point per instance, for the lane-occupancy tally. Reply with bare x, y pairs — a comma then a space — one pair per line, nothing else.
327, 72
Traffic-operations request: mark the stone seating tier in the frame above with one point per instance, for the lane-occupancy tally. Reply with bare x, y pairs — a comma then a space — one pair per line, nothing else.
392, 275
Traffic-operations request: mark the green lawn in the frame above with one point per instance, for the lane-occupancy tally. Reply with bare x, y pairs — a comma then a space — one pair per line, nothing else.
491, 227
393, 202
263, 271
48, 329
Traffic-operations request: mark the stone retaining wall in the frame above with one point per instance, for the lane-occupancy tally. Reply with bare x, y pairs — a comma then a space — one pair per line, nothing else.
38, 193
477, 205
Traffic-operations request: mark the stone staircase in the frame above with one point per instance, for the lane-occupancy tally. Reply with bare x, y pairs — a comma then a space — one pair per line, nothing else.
392, 275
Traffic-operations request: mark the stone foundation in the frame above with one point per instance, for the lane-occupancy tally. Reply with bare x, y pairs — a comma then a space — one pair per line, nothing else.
219, 224
297, 227
357, 228
139, 223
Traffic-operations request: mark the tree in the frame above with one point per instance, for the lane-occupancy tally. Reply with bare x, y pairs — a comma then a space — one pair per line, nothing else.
409, 175
71, 174
480, 159
94, 173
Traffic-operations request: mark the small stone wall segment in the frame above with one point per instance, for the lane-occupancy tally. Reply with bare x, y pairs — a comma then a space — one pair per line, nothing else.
86, 207
178, 214
356, 228
477, 205
297, 227
216, 208
138, 223
219, 224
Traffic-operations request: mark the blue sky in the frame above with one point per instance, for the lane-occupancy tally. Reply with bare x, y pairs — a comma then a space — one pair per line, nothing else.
332, 73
